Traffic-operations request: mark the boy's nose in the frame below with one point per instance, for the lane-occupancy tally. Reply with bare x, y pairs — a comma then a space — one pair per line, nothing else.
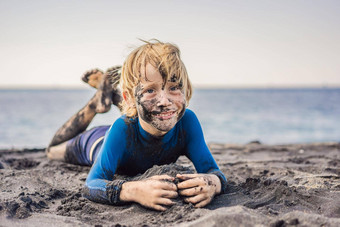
164, 100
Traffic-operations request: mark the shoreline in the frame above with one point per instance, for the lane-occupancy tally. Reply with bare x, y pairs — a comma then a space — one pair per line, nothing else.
270, 185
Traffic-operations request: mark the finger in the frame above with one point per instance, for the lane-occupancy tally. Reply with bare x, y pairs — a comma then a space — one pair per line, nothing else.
162, 177
196, 199
203, 203
189, 183
168, 186
187, 176
192, 191
163, 185
158, 207
169, 194
165, 201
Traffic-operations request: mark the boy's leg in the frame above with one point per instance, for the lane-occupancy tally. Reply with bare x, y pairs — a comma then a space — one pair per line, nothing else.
106, 95
57, 152
93, 77
83, 149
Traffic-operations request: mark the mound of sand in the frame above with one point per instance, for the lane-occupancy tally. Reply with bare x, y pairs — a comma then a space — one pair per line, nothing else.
296, 185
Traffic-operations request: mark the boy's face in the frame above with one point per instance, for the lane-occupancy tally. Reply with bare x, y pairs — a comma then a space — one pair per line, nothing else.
159, 105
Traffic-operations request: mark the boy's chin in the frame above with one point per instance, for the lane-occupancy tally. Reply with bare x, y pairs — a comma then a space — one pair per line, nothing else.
164, 126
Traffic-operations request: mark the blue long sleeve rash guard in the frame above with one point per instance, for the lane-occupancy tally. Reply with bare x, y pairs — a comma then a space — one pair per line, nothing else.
128, 149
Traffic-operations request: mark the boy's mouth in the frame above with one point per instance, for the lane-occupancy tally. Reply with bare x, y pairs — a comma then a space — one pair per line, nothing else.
165, 115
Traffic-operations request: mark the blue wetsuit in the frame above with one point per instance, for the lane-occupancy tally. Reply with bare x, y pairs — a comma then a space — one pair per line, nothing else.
128, 149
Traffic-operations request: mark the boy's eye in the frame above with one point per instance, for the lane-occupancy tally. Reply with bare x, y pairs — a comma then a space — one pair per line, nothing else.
150, 91
174, 88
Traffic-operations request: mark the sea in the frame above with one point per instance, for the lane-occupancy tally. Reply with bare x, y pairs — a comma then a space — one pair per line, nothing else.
30, 117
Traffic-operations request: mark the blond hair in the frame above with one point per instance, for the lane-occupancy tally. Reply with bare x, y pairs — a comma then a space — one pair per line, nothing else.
163, 56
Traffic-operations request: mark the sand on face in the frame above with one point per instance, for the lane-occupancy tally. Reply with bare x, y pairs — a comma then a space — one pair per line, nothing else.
267, 185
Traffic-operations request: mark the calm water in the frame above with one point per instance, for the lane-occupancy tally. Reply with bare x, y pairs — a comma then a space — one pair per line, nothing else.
29, 118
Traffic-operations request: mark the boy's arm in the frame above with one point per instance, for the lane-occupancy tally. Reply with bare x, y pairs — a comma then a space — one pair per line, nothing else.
154, 192
100, 186
210, 180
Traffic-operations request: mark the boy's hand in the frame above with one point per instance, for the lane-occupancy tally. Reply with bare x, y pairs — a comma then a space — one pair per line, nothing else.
154, 192
199, 189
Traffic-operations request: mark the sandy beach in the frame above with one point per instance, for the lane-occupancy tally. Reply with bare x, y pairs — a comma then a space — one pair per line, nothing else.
268, 185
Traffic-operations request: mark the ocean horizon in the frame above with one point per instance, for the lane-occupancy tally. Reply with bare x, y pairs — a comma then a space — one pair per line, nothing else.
30, 116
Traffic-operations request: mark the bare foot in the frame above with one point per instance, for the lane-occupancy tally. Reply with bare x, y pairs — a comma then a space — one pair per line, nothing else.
93, 77
114, 74
107, 91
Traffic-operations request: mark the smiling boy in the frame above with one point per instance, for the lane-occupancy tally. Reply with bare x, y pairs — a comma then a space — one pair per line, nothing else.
155, 129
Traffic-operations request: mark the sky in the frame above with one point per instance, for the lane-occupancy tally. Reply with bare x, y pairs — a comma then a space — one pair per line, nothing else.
288, 43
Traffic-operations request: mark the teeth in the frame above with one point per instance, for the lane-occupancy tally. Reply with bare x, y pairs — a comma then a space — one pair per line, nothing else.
164, 114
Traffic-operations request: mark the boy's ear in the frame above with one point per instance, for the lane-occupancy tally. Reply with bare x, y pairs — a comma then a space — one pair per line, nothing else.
124, 96
127, 98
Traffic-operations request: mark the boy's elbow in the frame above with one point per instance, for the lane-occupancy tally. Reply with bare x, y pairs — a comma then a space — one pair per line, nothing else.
85, 192
95, 195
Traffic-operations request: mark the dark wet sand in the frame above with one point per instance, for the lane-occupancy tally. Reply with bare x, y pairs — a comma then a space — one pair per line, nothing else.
282, 185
